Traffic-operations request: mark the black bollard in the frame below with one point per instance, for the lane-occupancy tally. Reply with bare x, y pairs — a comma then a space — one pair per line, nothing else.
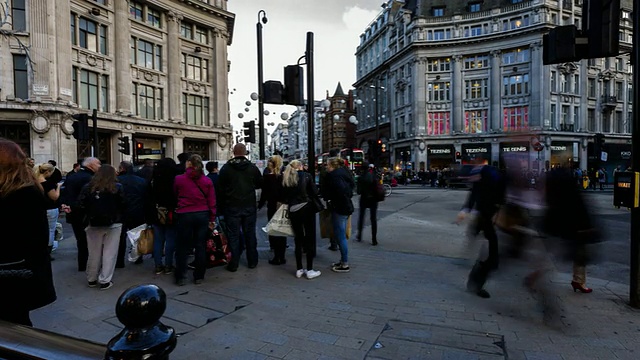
139, 309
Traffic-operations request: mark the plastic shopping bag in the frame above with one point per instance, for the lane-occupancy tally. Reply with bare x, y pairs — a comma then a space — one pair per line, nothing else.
280, 224
134, 237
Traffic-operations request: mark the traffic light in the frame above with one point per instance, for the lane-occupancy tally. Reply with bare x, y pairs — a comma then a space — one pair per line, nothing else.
458, 155
125, 145
249, 128
293, 85
81, 126
598, 143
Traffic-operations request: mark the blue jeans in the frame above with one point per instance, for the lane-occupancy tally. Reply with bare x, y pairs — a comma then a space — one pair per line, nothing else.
164, 241
193, 233
237, 221
340, 234
52, 217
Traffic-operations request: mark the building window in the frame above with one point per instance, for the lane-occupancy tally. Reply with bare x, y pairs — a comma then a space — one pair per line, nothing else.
439, 65
619, 64
592, 88
619, 91
476, 62
146, 54
591, 62
475, 122
553, 115
146, 101
135, 10
91, 35
73, 29
564, 116
437, 11
630, 93
153, 18
473, 31
87, 89
18, 15
101, 2
564, 83
516, 85
515, 56
439, 91
196, 109
619, 125
438, 123
442, 34
186, 30
476, 89
516, 118
20, 77
576, 84
576, 115
554, 81
202, 35
591, 120
194, 68
474, 7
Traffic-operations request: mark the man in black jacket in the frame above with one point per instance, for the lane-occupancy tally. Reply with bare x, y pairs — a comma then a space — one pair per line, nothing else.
70, 195
135, 190
366, 189
236, 193
333, 243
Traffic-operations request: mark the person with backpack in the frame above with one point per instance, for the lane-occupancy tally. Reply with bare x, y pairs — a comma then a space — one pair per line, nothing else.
104, 202
486, 195
369, 198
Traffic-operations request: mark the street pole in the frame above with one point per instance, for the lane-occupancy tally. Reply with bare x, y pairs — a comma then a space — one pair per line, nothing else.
311, 150
94, 148
260, 81
634, 288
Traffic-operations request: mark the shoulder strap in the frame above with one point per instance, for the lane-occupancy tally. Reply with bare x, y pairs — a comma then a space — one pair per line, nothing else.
199, 188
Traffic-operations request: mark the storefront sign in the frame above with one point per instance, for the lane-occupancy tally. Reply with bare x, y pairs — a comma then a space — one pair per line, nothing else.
625, 155
439, 151
514, 147
559, 148
477, 150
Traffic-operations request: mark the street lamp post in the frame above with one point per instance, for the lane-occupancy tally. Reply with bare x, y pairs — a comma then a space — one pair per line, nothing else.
377, 87
261, 20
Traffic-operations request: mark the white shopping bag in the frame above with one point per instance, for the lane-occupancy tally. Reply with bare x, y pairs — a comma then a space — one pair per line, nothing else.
280, 224
134, 235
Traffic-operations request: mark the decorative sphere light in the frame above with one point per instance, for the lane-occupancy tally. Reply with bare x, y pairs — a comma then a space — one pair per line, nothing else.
284, 116
266, 112
254, 96
240, 115
336, 117
342, 101
234, 89
355, 122
248, 103
325, 103
352, 119
383, 116
358, 102
246, 109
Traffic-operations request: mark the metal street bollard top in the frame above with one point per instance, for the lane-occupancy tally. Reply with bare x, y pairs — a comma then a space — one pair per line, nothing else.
139, 309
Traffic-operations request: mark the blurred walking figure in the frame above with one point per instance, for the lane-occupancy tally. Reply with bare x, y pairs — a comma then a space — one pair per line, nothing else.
23, 209
75, 215
103, 201
485, 196
196, 216
272, 195
339, 190
323, 178
51, 194
160, 209
135, 190
301, 193
366, 189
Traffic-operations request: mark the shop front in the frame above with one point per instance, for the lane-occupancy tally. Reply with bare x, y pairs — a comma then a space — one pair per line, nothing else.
472, 153
515, 154
564, 153
148, 149
618, 156
200, 147
403, 159
440, 156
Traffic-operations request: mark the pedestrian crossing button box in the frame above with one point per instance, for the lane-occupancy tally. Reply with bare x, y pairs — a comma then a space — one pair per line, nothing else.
625, 189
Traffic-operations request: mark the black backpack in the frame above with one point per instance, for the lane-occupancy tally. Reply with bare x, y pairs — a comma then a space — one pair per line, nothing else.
102, 208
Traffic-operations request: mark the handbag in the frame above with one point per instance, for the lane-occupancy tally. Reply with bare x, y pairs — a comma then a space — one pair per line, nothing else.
318, 206
165, 216
145, 242
326, 227
280, 224
15, 270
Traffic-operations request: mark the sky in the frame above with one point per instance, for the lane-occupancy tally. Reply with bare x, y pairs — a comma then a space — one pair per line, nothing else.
336, 24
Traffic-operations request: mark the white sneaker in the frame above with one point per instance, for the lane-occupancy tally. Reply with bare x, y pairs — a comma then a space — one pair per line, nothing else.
300, 272
313, 274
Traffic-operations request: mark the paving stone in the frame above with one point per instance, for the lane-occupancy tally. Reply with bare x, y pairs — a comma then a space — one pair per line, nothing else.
275, 350
323, 337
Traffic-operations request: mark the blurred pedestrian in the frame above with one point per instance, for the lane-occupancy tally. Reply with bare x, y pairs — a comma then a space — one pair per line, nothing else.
195, 216
31, 163
367, 190
272, 195
76, 168
301, 193
135, 190
237, 183
104, 202
51, 193
182, 162
26, 279
146, 171
160, 209
74, 214
322, 180
212, 172
339, 190
56, 176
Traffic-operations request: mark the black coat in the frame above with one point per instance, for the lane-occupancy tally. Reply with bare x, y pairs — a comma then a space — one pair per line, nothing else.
272, 192
23, 218
71, 194
238, 181
339, 190
135, 190
305, 192
366, 189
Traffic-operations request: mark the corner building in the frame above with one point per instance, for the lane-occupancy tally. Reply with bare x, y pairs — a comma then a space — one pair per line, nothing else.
467, 77
156, 71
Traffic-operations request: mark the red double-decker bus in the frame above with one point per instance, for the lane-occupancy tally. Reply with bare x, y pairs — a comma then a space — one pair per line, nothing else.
353, 158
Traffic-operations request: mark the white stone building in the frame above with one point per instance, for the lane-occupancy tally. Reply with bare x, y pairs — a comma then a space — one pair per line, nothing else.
456, 76
156, 71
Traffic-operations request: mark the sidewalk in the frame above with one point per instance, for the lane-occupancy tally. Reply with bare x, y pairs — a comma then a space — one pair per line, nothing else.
392, 305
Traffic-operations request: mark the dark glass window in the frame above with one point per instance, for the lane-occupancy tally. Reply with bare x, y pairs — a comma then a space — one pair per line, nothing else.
19, 15
20, 77
439, 11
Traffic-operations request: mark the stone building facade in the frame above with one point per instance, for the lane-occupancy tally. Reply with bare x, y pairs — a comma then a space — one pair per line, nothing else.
467, 78
156, 71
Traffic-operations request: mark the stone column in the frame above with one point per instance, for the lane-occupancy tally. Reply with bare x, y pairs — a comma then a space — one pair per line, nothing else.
42, 42
174, 89
419, 79
457, 93
495, 82
219, 70
121, 52
63, 51
538, 108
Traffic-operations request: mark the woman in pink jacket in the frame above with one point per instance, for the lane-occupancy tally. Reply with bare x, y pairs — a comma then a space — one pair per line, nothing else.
195, 218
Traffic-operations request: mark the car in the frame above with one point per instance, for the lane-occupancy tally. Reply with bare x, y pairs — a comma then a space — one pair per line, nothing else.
460, 175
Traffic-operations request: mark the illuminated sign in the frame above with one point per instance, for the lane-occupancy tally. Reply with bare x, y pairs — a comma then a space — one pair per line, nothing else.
440, 151
558, 148
626, 185
515, 149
